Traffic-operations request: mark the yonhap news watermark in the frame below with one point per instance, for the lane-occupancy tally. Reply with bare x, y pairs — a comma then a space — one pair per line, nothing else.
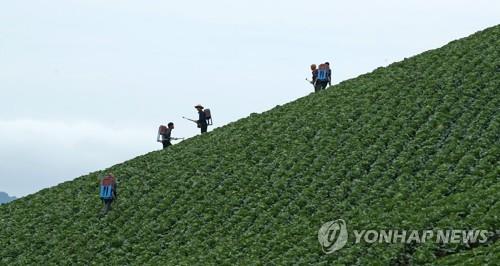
333, 235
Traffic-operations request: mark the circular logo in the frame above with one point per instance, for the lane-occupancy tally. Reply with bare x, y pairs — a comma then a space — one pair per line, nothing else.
333, 236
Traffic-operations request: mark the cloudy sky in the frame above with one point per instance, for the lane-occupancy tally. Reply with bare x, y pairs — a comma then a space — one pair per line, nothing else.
85, 83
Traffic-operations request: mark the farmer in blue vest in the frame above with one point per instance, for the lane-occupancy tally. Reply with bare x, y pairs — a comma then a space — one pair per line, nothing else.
107, 192
322, 78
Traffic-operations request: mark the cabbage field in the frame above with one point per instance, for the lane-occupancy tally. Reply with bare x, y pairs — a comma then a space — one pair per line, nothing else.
414, 145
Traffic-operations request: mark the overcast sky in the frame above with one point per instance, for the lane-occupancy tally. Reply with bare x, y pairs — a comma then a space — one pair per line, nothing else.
85, 83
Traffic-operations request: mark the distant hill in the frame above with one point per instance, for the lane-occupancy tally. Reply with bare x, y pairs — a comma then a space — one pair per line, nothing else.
414, 145
4, 198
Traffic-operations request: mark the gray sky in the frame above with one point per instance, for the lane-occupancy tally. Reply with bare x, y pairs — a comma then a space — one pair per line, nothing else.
85, 84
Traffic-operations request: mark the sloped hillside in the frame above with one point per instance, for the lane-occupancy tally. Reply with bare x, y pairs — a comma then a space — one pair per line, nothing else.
411, 146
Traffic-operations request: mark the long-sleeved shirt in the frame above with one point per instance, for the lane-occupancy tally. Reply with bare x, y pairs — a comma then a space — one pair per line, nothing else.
314, 75
202, 118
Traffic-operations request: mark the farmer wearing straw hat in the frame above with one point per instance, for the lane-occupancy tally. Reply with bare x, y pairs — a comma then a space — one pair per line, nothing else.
202, 119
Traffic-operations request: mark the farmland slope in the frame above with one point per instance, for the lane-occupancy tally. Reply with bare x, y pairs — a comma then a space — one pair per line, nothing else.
414, 145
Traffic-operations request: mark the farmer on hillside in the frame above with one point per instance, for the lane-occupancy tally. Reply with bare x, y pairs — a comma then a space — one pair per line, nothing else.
202, 119
107, 192
164, 135
314, 72
329, 73
322, 77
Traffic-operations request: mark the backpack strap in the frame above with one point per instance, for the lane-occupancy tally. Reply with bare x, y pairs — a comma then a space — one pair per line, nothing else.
322, 74
106, 192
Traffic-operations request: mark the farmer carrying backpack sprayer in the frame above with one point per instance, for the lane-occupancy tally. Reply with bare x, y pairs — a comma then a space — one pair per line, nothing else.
107, 192
165, 134
204, 118
329, 73
323, 77
314, 73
